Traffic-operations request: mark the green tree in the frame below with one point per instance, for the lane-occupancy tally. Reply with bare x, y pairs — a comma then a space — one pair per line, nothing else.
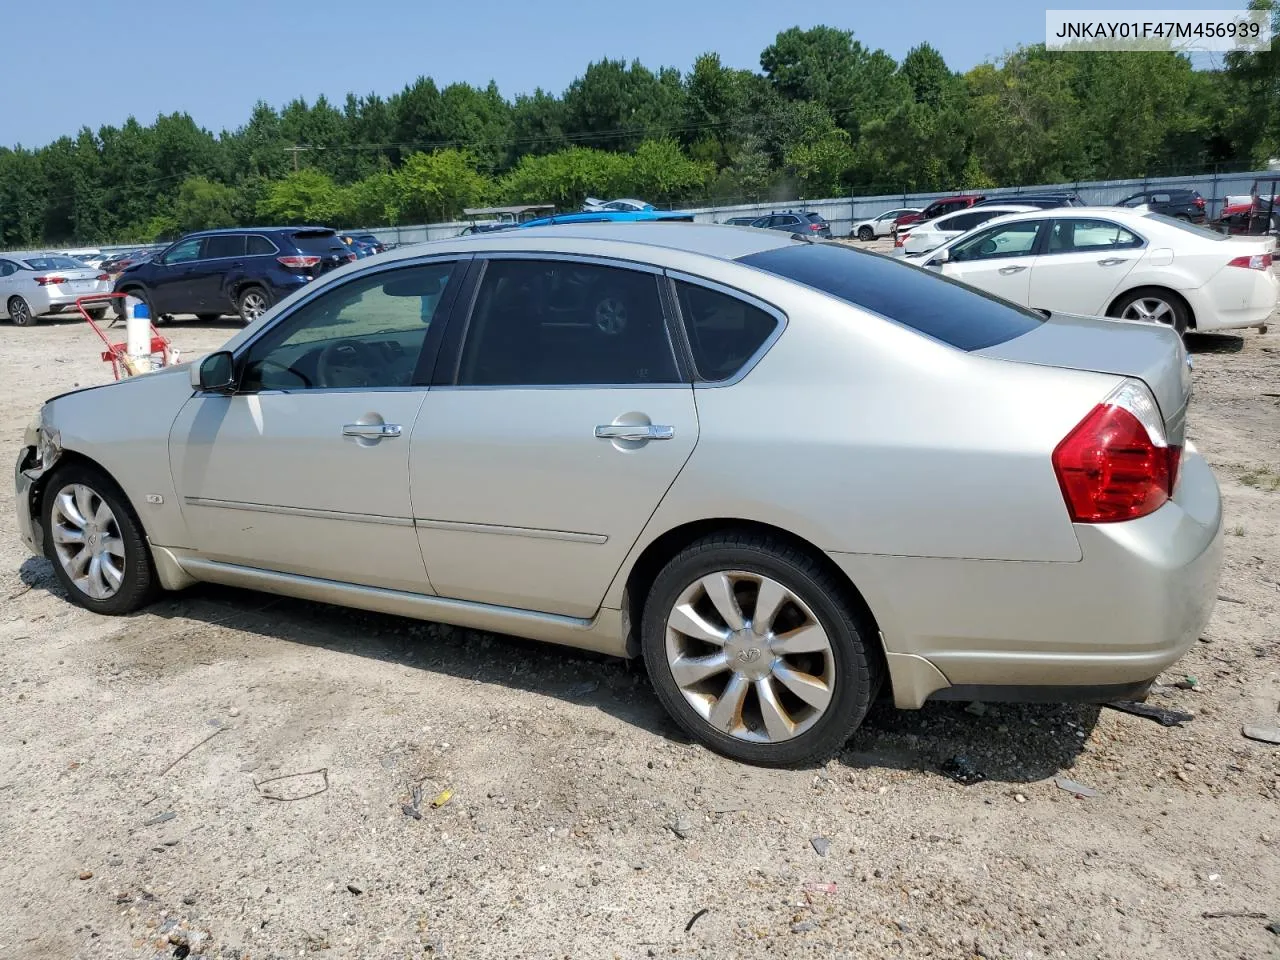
438, 185
306, 196
202, 204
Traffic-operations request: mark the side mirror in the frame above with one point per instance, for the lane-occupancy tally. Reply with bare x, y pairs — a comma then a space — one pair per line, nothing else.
216, 373
939, 258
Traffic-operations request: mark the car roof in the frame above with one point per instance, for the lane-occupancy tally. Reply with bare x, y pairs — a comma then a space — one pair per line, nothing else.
221, 230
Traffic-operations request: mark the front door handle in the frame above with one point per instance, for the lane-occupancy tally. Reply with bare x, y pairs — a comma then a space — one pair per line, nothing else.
634, 431
1007, 271
1112, 261
371, 431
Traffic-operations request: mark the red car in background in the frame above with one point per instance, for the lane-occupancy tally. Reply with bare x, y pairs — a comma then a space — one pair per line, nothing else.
939, 208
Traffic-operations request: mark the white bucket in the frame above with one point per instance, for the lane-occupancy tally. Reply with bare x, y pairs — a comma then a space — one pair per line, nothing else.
138, 334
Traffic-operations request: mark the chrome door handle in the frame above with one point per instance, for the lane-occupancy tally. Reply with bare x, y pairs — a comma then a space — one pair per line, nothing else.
634, 431
1006, 271
1112, 261
371, 431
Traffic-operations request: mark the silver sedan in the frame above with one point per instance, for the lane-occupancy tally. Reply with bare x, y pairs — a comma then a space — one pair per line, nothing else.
41, 283
790, 475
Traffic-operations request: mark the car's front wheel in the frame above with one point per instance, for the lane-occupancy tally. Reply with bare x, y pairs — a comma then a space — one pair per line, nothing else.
866, 234
754, 648
99, 552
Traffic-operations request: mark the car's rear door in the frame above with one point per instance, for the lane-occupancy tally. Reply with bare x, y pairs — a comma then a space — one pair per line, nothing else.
305, 469
223, 253
544, 448
1082, 263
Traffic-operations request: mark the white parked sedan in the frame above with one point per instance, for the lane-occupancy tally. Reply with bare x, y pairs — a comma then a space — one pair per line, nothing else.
1118, 263
919, 238
882, 225
35, 284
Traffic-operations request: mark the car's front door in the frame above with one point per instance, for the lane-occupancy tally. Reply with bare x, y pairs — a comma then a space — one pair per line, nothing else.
171, 277
305, 469
1082, 264
997, 260
564, 421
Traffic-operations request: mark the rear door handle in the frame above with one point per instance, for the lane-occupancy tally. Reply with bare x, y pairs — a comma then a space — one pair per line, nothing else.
634, 431
371, 431
1006, 271
1112, 261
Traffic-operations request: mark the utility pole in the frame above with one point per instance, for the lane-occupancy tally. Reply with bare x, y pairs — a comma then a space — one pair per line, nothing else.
296, 149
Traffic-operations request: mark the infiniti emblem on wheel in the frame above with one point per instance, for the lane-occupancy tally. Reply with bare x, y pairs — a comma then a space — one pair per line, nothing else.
750, 655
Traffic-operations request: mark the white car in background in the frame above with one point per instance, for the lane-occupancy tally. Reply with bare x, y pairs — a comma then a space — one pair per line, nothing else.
920, 238
880, 226
622, 205
32, 284
1104, 261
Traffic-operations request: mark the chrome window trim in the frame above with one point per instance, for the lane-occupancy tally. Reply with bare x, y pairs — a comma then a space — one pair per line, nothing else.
776, 312
298, 511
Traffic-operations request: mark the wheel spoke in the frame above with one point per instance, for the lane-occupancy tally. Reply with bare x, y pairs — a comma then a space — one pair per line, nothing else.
113, 575
776, 722
84, 500
719, 588
67, 505
97, 584
812, 690
684, 619
1161, 311
103, 514
65, 534
689, 671
726, 715
113, 546
769, 600
810, 638
77, 565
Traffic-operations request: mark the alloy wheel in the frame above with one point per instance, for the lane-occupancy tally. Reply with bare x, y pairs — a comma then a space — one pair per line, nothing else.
20, 312
253, 305
1150, 310
750, 656
87, 541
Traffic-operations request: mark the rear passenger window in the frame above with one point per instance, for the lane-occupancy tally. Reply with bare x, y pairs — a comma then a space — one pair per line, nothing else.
224, 245
724, 332
565, 323
259, 246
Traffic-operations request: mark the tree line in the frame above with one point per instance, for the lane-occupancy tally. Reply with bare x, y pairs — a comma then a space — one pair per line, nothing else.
824, 116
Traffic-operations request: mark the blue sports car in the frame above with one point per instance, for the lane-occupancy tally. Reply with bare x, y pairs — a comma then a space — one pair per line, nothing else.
611, 216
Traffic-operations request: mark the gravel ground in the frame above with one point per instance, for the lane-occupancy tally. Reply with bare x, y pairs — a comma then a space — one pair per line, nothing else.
229, 774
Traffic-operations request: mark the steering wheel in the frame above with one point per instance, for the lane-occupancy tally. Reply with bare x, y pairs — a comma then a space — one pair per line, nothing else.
343, 363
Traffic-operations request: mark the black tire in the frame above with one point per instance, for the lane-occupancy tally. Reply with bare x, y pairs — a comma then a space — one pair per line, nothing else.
1184, 217
1178, 311
866, 234
137, 294
857, 667
248, 299
20, 313
208, 317
139, 584
97, 313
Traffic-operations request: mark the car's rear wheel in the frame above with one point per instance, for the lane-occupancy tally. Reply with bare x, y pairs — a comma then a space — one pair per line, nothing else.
20, 312
252, 303
95, 541
865, 234
1153, 305
97, 313
755, 650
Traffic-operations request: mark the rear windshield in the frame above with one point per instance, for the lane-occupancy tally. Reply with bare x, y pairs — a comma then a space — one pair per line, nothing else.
54, 263
316, 241
925, 301
814, 217
1203, 232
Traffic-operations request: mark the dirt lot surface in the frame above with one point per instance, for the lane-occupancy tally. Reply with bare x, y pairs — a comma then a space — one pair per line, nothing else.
229, 774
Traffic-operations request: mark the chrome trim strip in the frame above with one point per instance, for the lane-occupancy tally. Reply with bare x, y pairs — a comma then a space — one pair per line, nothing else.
533, 533
775, 312
298, 511
603, 634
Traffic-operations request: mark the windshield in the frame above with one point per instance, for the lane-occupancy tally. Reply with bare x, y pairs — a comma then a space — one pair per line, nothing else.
54, 263
934, 305
1203, 232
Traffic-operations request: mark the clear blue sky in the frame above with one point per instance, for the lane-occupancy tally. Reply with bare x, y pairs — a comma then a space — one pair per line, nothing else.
85, 62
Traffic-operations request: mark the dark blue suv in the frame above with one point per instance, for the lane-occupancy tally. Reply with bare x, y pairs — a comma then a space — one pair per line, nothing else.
241, 270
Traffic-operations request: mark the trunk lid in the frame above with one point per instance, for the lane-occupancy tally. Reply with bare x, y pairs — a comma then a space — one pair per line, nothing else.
1151, 353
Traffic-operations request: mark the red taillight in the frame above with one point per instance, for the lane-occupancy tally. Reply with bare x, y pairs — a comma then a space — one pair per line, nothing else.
815, 227
104, 276
1116, 464
900, 240
352, 258
1199, 202
1259, 261
302, 263
50, 281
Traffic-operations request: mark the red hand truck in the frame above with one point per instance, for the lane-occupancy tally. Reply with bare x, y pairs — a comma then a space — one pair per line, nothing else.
117, 354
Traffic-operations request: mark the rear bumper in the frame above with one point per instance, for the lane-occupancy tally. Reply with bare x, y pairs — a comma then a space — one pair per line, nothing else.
1235, 298
56, 299
1114, 620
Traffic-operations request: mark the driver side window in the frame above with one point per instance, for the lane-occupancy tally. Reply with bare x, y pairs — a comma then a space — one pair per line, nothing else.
367, 332
1010, 240
185, 251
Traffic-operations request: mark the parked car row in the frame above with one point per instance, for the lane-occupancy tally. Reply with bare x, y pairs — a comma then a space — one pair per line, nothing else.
1021, 518
32, 284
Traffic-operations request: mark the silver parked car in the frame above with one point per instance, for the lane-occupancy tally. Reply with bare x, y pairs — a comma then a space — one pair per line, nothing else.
32, 284
790, 475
